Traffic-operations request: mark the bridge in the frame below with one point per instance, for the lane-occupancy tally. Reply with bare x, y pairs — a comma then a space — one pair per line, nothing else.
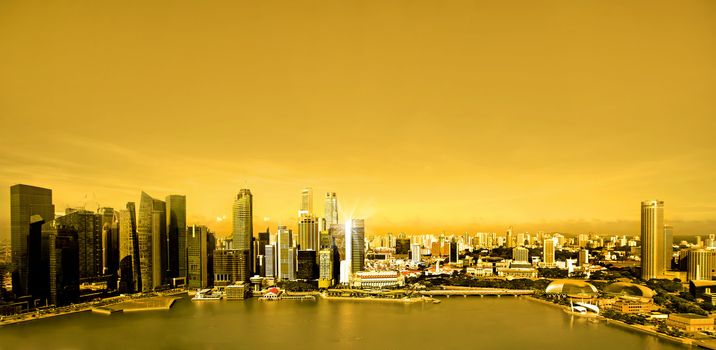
476, 292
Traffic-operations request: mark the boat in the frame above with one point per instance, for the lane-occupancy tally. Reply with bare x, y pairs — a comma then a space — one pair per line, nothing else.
206, 295
435, 301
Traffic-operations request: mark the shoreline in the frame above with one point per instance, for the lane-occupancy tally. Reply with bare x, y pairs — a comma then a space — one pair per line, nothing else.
620, 324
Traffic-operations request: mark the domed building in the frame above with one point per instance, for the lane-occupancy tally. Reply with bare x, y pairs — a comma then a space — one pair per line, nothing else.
629, 290
572, 288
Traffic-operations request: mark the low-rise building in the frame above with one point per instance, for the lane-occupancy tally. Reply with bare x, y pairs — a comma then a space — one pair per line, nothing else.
690, 322
377, 279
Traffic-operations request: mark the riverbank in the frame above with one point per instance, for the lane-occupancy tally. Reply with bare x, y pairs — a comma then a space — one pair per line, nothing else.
380, 300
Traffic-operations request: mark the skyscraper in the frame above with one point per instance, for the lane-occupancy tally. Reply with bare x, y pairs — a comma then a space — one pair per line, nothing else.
548, 252
307, 269
243, 219
197, 257
415, 253
652, 239
151, 231
110, 244
88, 226
25, 201
306, 202
308, 235
510, 242
668, 246
284, 245
270, 261
129, 276
331, 209
176, 236
244, 227
325, 268
357, 244
701, 264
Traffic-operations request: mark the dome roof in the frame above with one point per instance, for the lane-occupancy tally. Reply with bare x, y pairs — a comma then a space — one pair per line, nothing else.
571, 287
629, 289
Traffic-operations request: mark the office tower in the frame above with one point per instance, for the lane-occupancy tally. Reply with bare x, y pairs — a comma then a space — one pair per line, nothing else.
668, 246
520, 254
357, 244
270, 261
210, 247
308, 236
583, 257
701, 264
307, 267
110, 244
509, 239
229, 266
151, 230
548, 252
284, 245
652, 239
415, 253
331, 209
263, 241
89, 240
25, 201
197, 257
64, 264
243, 226
38, 264
292, 263
325, 268
243, 220
176, 237
402, 247
130, 280
306, 202
453, 254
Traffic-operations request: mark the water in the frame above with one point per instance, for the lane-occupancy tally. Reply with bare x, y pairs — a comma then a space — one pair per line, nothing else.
459, 323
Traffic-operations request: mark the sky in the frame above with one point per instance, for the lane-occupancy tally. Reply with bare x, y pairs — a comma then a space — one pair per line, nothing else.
423, 116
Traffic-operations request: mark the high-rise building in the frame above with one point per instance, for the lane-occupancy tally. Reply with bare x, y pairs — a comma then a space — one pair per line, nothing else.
652, 239
583, 257
306, 202
292, 263
176, 236
270, 261
263, 241
357, 244
415, 253
331, 209
307, 267
88, 226
152, 234
520, 254
510, 242
668, 246
548, 252
64, 265
197, 257
285, 238
110, 244
25, 201
243, 220
308, 235
130, 280
228, 266
402, 246
244, 228
454, 253
701, 264
325, 268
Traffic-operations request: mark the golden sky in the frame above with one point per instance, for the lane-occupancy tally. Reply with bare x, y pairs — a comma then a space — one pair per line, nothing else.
422, 115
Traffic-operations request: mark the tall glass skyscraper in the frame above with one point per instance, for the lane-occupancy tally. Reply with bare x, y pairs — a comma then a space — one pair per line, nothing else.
331, 209
357, 245
151, 230
284, 245
308, 235
668, 246
89, 240
177, 236
652, 239
197, 258
25, 201
243, 220
129, 276
306, 202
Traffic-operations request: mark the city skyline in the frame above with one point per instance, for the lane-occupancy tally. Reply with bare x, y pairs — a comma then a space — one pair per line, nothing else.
457, 117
